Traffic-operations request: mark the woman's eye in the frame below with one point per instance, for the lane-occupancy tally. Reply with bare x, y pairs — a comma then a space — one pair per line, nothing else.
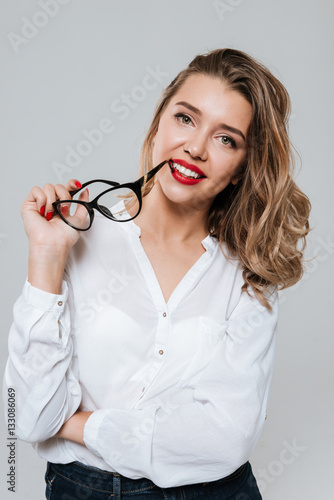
183, 118
227, 141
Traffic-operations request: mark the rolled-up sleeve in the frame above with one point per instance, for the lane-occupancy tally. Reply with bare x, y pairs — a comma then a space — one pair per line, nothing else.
40, 365
210, 437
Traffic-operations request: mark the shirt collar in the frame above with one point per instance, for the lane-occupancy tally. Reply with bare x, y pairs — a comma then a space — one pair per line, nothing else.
209, 243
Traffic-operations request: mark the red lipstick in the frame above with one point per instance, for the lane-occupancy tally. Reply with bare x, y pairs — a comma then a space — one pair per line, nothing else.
178, 176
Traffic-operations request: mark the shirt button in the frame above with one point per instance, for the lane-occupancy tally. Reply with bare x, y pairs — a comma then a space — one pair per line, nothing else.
164, 315
161, 352
60, 303
266, 417
143, 389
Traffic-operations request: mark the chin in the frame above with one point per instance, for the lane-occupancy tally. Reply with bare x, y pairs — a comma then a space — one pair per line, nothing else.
188, 200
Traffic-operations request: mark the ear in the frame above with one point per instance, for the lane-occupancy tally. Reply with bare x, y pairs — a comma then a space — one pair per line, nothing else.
236, 178
238, 175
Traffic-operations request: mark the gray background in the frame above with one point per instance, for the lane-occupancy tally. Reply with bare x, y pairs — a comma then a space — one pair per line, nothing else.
64, 79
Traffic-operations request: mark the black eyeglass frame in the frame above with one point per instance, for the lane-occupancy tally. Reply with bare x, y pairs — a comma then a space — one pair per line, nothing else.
135, 186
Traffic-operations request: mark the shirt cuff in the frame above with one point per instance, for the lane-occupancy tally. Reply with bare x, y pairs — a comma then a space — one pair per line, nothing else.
91, 429
45, 301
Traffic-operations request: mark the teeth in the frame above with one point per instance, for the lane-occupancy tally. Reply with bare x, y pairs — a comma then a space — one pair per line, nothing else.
186, 171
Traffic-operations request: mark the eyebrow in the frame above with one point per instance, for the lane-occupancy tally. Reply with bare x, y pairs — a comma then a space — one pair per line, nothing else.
222, 125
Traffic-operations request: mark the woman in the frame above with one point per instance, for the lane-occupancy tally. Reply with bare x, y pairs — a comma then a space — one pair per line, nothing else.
142, 353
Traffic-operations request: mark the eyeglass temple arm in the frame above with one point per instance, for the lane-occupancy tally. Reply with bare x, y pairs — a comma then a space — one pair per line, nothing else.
148, 176
142, 181
110, 183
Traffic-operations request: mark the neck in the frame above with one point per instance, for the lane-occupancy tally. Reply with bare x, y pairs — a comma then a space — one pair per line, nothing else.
169, 221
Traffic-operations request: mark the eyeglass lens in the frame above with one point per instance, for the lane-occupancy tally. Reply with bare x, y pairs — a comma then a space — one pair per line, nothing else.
117, 204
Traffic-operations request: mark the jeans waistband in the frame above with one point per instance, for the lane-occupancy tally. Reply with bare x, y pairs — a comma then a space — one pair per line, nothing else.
105, 481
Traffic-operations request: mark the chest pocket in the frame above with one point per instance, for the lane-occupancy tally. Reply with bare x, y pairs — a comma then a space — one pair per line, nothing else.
203, 344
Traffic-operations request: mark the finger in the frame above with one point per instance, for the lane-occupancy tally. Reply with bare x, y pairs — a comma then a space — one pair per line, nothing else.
36, 200
62, 193
81, 216
84, 195
50, 192
72, 184
81, 211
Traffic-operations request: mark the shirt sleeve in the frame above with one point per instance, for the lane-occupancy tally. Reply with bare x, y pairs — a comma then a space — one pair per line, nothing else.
40, 366
215, 434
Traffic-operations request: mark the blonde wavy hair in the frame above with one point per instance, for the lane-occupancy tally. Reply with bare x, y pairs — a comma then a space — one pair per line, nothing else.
263, 219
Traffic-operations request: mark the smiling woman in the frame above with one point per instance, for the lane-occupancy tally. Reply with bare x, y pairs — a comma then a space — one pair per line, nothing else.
155, 337
261, 216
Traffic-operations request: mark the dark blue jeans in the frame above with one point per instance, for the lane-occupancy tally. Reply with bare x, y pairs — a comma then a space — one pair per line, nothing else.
78, 481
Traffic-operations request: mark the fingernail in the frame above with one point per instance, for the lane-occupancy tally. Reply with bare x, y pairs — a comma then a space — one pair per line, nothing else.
49, 216
42, 210
64, 209
78, 184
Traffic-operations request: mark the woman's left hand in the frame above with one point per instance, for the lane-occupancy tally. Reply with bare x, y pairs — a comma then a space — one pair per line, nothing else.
73, 428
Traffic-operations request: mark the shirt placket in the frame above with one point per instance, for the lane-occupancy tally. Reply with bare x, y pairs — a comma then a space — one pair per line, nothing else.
160, 350
164, 310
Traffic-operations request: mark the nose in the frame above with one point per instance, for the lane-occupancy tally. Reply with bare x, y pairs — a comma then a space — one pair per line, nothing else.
196, 146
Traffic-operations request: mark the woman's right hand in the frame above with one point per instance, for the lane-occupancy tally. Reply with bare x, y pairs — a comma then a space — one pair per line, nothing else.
50, 238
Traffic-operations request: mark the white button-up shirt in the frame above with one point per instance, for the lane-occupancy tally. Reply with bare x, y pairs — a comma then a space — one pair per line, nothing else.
179, 390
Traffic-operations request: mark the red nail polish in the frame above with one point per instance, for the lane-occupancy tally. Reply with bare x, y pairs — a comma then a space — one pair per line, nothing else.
42, 210
64, 209
49, 216
78, 184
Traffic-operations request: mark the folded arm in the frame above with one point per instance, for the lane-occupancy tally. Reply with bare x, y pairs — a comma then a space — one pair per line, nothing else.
41, 365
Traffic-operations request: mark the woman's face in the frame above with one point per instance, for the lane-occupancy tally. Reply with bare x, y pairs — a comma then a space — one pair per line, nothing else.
203, 131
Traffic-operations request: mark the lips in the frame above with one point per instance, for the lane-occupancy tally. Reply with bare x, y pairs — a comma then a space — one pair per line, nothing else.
186, 173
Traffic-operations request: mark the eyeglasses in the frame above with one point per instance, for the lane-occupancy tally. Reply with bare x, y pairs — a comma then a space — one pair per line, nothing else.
120, 203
